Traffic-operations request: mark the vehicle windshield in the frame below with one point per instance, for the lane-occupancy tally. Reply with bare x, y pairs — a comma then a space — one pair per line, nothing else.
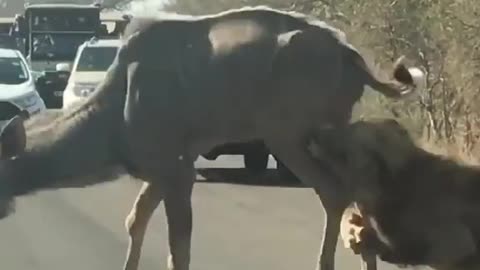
12, 71
64, 20
96, 58
56, 46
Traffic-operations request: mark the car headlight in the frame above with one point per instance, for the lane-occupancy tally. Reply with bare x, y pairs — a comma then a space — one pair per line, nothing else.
82, 89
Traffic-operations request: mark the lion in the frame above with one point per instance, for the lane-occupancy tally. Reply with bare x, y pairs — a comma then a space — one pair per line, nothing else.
408, 206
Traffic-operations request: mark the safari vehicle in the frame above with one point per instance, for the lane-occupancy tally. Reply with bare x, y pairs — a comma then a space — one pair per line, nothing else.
255, 156
54, 32
89, 68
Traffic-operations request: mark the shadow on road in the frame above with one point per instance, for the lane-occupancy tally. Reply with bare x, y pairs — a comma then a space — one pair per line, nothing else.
242, 176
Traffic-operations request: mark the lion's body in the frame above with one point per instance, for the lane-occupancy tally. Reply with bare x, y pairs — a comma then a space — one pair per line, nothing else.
423, 208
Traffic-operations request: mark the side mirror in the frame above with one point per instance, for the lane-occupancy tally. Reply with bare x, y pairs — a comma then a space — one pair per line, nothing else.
65, 67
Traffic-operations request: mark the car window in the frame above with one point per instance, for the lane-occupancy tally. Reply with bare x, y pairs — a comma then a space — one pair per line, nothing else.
56, 46
12, 71
96, 58
62, 20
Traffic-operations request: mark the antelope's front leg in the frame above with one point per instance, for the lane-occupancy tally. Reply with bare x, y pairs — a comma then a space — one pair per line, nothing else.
331, 230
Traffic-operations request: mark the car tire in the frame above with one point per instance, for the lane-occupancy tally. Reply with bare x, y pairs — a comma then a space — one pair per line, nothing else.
256, 161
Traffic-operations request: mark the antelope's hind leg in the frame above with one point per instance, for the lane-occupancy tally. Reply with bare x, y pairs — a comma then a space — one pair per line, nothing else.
178, 209
292, 151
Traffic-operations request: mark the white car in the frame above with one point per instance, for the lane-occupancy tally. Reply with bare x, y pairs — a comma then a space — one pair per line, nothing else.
90, 66
17, 86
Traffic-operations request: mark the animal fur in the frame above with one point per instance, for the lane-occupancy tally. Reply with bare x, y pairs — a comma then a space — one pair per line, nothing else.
408, 206
181, 85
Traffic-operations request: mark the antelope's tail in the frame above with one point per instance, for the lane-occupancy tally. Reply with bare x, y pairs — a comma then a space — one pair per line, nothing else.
405, 82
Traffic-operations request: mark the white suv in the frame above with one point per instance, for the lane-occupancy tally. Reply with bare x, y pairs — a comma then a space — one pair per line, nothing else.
17, 87
90, 66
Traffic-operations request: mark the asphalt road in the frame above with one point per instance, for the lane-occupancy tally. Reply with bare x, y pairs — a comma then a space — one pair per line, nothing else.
238, 225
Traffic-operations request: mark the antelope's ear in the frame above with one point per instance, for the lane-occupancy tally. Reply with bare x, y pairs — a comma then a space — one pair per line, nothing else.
13, 138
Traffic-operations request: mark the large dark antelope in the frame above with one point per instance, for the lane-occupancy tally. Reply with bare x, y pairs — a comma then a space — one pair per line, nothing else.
181, 85
408, 206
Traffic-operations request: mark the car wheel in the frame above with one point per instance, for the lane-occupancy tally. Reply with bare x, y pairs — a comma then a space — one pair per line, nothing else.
256, 161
